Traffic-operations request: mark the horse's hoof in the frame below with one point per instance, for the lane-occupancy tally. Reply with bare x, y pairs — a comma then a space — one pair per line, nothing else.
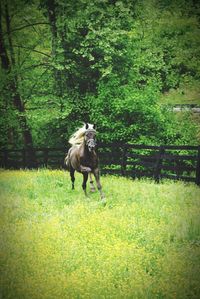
92, 190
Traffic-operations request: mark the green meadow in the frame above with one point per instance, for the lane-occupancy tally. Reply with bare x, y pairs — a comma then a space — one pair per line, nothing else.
55, 243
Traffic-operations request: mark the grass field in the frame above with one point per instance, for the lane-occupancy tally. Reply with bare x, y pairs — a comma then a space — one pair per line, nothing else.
185, 94
55, 243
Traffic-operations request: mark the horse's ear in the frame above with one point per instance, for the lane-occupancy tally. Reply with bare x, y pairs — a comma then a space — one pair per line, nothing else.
86, 126
94, 126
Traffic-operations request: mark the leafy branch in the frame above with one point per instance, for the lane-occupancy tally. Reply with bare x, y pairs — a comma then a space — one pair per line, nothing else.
30, 49
25, 26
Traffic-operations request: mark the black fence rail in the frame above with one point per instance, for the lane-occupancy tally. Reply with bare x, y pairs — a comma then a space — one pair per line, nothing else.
136, 161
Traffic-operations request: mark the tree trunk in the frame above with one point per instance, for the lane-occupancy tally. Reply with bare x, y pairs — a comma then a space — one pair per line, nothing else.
51, 6
3, 53
13, 85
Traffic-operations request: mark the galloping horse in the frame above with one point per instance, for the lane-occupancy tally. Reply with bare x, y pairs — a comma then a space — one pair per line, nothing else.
82, 157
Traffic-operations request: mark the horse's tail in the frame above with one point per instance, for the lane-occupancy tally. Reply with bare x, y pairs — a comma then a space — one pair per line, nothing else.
67, 160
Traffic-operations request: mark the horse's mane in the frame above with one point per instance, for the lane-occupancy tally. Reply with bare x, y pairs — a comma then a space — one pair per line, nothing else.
78, 137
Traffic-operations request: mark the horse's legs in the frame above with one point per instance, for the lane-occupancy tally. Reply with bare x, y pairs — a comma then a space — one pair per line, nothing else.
85, 178
72, 170
97, 177
92, 187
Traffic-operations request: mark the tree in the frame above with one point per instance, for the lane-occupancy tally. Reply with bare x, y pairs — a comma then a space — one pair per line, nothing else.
8, 65
13, 60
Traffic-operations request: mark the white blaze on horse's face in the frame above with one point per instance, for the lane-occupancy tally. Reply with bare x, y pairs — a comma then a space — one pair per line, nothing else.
90, 141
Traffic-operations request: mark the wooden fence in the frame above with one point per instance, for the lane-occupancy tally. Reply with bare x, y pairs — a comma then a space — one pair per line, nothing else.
136, 161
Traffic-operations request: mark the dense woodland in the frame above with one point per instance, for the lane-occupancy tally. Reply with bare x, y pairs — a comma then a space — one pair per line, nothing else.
103, 61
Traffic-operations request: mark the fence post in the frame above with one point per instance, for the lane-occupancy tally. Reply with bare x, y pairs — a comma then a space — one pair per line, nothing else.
46, 156
197, 181
24, 158
5, 160
124, 158
158, 165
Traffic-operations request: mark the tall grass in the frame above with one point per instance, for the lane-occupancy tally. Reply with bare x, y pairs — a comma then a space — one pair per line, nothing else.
55, 243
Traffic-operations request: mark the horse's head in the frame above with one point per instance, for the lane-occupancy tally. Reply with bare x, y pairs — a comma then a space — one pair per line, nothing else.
90, 137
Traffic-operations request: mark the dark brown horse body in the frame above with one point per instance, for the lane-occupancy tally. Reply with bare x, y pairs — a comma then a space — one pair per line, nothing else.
83, 158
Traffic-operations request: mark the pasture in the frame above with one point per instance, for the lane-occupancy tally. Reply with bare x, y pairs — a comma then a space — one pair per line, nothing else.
55, 243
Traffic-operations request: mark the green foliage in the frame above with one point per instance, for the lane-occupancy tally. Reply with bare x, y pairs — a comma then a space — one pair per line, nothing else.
126, 113
56, 243
180, 128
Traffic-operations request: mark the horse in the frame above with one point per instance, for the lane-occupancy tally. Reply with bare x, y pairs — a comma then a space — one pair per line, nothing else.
83, 158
